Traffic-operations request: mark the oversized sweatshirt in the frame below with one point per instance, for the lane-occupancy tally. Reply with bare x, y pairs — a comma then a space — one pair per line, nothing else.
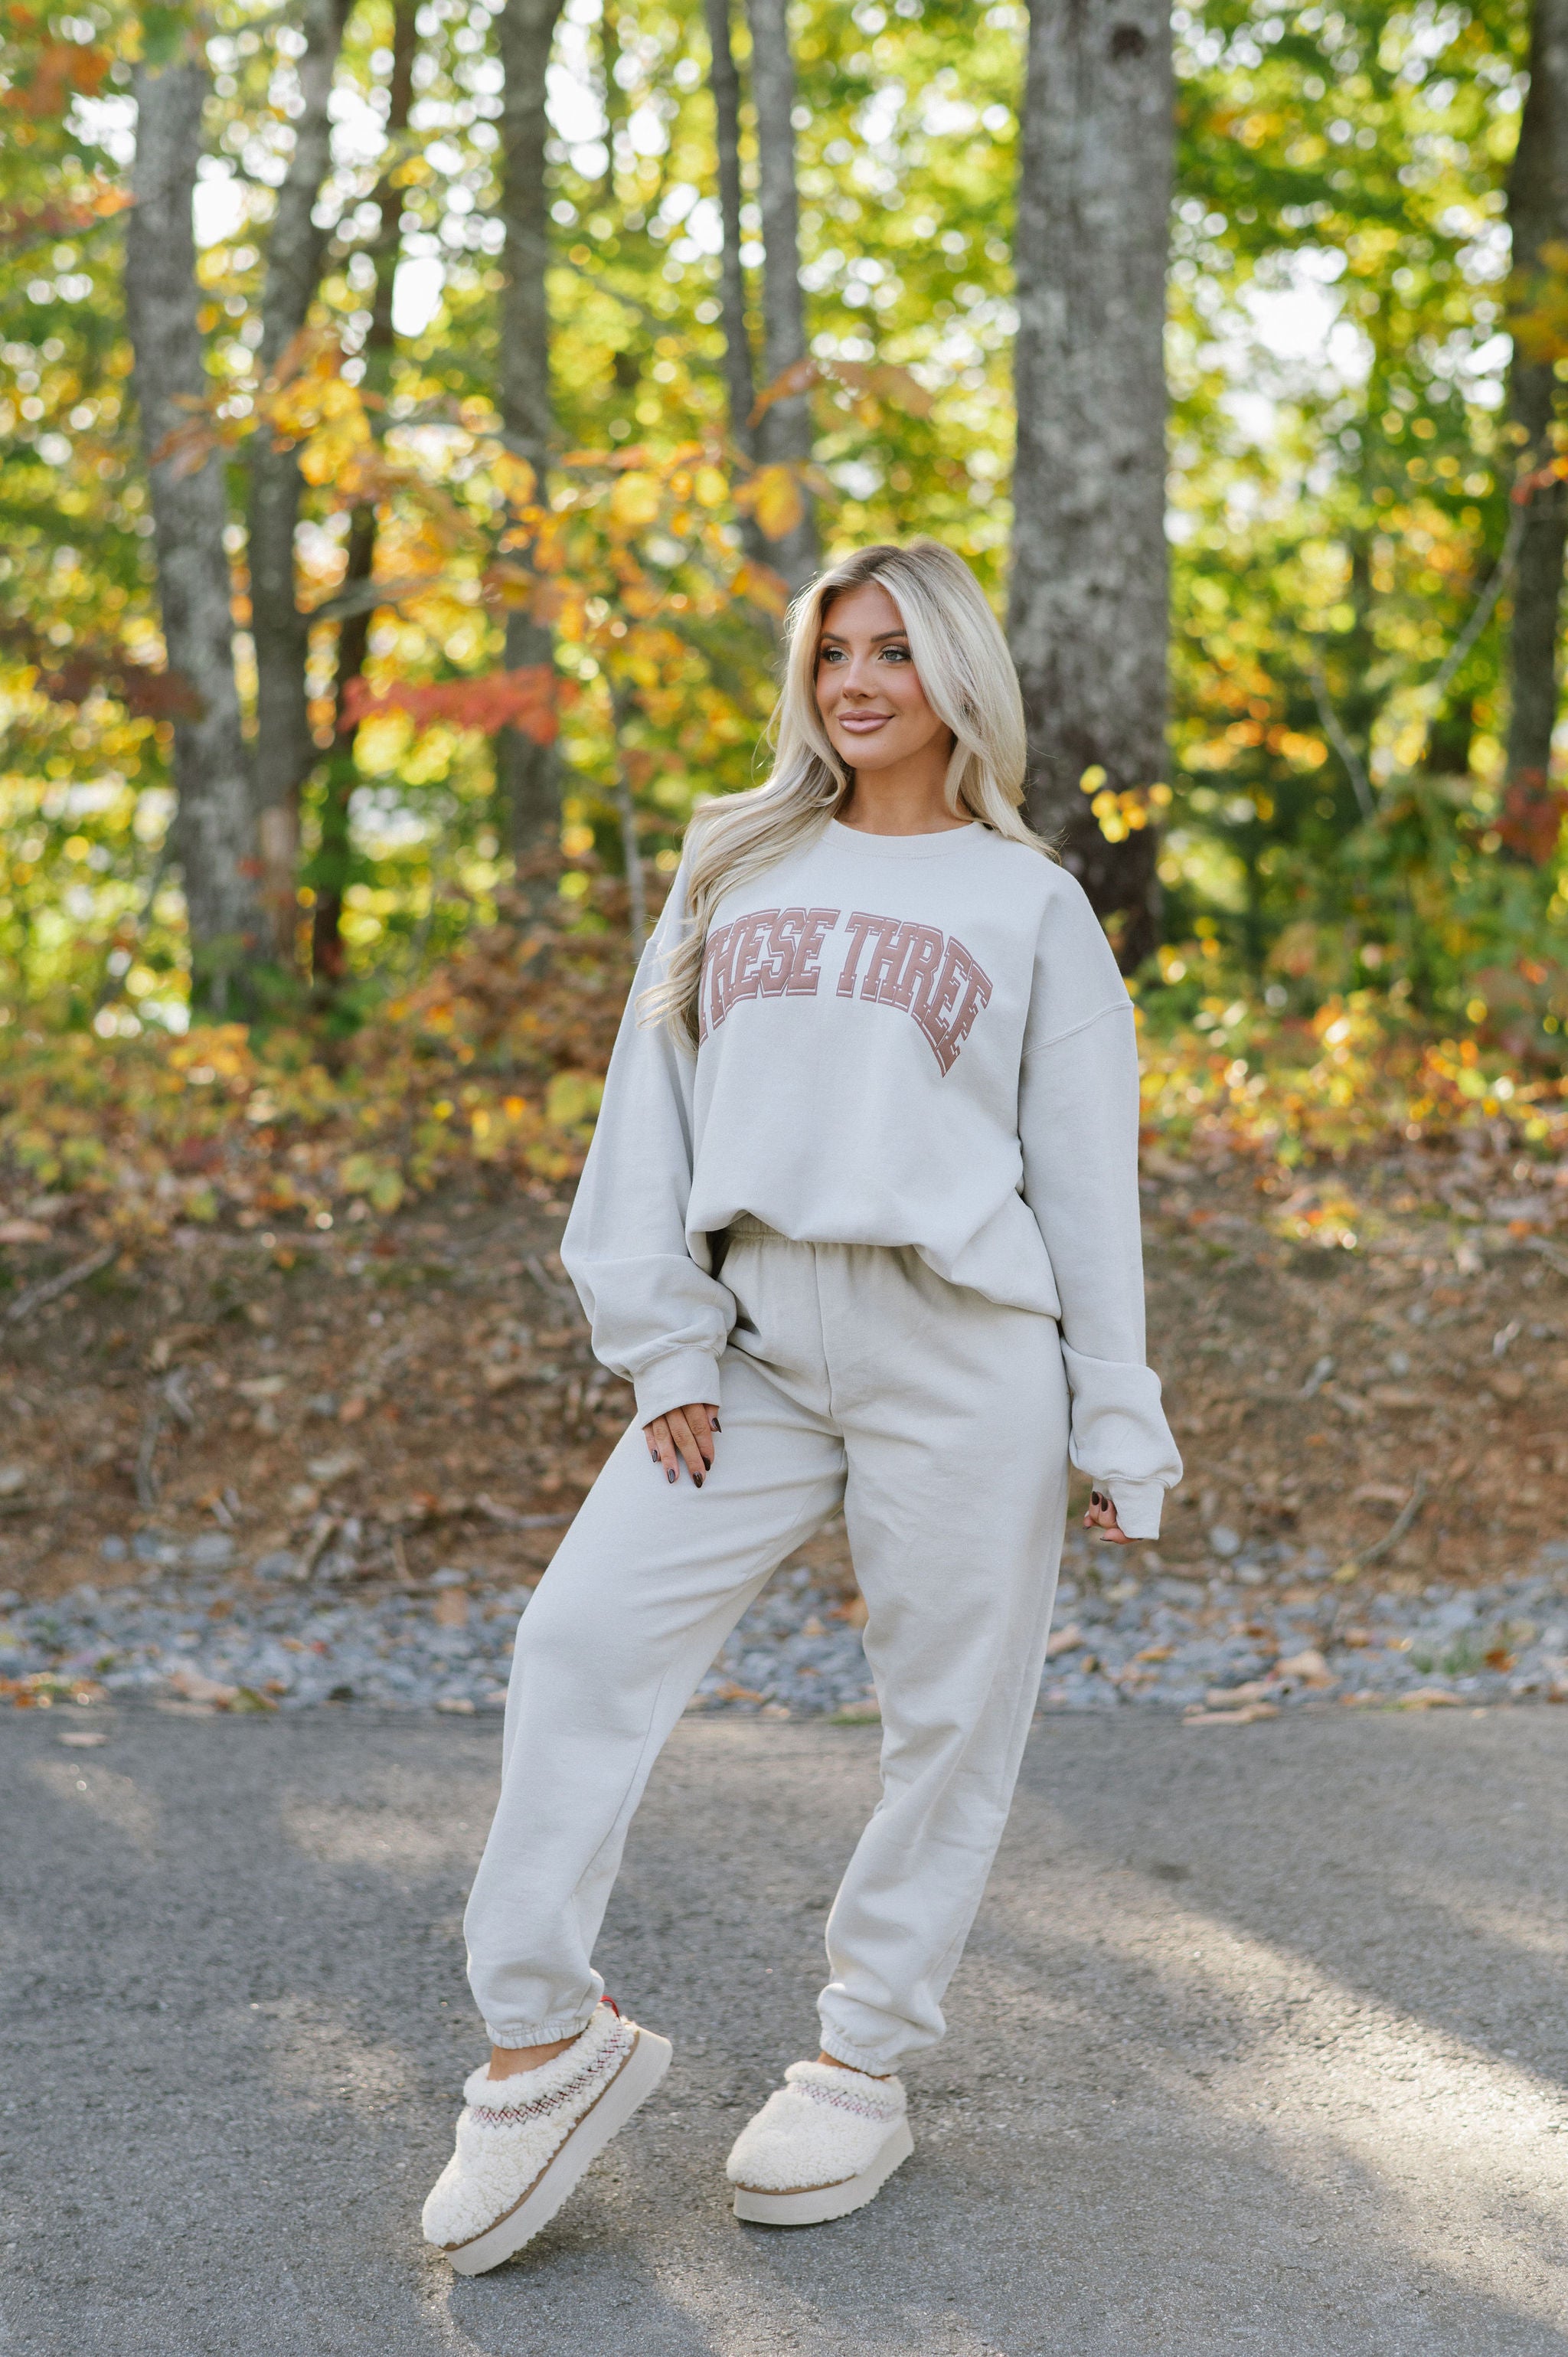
917, 1041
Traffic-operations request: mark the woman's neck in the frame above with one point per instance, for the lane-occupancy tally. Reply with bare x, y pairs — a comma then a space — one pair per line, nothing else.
909, 800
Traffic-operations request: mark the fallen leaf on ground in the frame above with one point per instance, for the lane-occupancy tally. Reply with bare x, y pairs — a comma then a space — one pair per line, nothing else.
1236, 1697
1430, 1698
333, 1469
452, 1608
192, 1686
1308, 1666
1064, 1641
1254, 1710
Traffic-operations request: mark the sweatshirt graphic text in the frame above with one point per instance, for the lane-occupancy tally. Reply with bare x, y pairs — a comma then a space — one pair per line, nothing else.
917, 1041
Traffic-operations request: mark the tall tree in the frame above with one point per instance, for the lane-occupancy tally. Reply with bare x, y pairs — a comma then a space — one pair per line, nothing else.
784, 431
297, 248
214, 822
1089, 592
355, 601
1538, 217
725, 82
527, 772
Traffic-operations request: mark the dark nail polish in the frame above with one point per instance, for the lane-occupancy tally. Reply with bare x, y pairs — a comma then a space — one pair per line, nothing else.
669, 1472
717, 1426
698, 1480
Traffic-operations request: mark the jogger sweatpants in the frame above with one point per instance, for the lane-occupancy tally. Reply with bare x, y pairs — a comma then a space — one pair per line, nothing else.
854, 1376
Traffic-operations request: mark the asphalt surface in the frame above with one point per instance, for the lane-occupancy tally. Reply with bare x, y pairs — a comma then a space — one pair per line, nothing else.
1259, 2045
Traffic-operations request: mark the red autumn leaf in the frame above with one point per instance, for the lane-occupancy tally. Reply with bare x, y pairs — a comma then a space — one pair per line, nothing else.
63, 70
522, 699
35, 224
1532, 815
72, 678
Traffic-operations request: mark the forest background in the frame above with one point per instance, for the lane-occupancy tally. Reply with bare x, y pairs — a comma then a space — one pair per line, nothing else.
456, 311
416, 418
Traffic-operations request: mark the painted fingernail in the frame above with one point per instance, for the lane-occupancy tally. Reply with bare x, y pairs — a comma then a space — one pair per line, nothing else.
717, 1426
698, 1480
669, 1472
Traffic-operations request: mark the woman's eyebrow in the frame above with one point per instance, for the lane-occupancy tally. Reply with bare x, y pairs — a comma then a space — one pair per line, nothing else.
879, 638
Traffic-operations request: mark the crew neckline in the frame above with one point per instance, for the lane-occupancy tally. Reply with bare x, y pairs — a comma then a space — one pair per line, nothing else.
904, 847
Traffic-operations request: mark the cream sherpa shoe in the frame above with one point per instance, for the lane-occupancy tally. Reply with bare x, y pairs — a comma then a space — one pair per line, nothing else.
821, 2145
523, 2142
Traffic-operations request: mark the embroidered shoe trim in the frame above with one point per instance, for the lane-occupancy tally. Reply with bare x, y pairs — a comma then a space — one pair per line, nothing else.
608, 2061
845, 2099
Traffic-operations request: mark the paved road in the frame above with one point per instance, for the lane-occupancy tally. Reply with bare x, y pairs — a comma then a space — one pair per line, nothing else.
1259, 2045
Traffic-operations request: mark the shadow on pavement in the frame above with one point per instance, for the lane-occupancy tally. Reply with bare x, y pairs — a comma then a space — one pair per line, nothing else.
1229, 2063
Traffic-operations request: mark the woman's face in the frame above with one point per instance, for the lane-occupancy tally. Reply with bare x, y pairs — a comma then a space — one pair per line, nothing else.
868, 691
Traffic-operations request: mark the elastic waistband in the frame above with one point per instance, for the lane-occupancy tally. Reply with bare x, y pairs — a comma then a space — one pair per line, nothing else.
748, 1230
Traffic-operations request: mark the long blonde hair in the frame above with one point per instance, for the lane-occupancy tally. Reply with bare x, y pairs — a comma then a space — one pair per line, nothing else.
970, 683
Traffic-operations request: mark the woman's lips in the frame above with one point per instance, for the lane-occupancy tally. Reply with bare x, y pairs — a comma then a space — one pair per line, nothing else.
861, 723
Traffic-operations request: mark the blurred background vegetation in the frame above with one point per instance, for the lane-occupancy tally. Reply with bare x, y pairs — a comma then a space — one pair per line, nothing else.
538, 555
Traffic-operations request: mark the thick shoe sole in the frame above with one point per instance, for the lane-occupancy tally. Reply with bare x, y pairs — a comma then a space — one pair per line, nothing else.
818, 2204
631, 2086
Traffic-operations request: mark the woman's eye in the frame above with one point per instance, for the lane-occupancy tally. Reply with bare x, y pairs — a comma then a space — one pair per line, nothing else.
896, 655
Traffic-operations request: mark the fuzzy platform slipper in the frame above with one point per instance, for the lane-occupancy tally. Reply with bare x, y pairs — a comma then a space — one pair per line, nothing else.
822, 2145
524, 2142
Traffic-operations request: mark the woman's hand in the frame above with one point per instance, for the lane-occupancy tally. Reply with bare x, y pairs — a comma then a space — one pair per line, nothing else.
684, 1436
1101, 1517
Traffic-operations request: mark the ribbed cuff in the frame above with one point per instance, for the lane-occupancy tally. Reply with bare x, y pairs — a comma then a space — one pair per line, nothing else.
511, 2035
1137, 1504
675, 1381
859, 2058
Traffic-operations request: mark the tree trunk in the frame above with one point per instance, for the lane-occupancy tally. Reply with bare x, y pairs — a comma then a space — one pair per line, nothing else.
784, 431
285, 753
527, 774
1538, 217
215, 818
726, 83
333, 863
1087, 614
615, 97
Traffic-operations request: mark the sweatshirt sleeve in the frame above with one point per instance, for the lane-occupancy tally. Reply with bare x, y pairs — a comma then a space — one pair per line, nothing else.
1078, 1121
657, 1317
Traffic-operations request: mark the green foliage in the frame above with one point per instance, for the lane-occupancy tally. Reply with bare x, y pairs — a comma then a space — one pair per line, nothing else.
1340, 477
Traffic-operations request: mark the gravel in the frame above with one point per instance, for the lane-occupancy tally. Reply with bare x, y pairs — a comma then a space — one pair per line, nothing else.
204, 1629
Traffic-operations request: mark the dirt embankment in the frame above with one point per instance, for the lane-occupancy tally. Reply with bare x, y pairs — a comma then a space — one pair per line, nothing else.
387, 1405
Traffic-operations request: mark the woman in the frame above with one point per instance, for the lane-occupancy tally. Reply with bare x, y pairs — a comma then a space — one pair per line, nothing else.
859, 1224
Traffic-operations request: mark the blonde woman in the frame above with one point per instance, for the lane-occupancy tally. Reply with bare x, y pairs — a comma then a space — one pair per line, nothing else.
859, 1224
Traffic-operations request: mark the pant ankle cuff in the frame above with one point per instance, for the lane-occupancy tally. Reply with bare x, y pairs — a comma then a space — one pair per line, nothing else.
513, 2034
859, 2058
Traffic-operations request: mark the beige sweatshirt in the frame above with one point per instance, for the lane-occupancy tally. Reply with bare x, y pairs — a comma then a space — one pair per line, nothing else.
904, 1040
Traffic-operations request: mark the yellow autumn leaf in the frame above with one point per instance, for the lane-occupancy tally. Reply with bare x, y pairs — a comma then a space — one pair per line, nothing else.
776, 502
709, 487
514, 478
762, 585
327, 456
635, 501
